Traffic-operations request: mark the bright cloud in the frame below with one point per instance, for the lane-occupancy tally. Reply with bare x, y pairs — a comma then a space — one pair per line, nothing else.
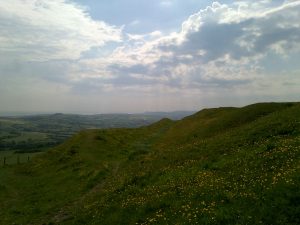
40, 30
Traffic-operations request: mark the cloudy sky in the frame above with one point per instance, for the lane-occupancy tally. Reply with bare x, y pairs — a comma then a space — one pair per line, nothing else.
90, 56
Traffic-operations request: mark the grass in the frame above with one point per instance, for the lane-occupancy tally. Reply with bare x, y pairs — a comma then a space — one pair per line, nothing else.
12, 158
219, 166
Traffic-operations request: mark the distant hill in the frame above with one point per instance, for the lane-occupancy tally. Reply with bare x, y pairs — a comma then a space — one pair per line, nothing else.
218, 166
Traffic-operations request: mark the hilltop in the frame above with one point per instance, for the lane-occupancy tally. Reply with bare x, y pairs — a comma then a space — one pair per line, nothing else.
218, 166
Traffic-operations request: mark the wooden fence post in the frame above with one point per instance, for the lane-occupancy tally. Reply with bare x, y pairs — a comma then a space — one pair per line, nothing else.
4, 161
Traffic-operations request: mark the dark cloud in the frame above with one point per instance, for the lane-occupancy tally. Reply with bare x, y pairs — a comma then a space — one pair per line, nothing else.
213, 38
219, 38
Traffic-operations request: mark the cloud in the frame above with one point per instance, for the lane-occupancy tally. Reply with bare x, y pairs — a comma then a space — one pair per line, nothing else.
219, 43
40, 30
219, 46
247, 49
219, 30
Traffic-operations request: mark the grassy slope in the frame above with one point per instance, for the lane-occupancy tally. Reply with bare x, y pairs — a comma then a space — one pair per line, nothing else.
219, 166
12, 158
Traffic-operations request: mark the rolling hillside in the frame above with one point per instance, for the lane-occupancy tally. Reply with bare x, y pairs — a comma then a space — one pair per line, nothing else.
218, 166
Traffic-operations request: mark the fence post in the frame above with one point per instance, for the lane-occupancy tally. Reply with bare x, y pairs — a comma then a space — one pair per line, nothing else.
27, 158
18, 159
4, 161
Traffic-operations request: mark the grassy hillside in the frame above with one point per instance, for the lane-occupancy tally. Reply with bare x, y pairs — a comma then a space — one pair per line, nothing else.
219, 166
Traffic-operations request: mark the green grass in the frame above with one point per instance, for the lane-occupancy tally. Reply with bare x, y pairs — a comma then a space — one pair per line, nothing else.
219, 166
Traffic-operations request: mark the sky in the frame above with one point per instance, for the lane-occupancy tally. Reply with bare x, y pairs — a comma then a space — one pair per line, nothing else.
131, 56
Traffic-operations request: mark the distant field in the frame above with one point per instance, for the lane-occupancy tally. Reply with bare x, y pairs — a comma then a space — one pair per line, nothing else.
29, 136
11, 121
